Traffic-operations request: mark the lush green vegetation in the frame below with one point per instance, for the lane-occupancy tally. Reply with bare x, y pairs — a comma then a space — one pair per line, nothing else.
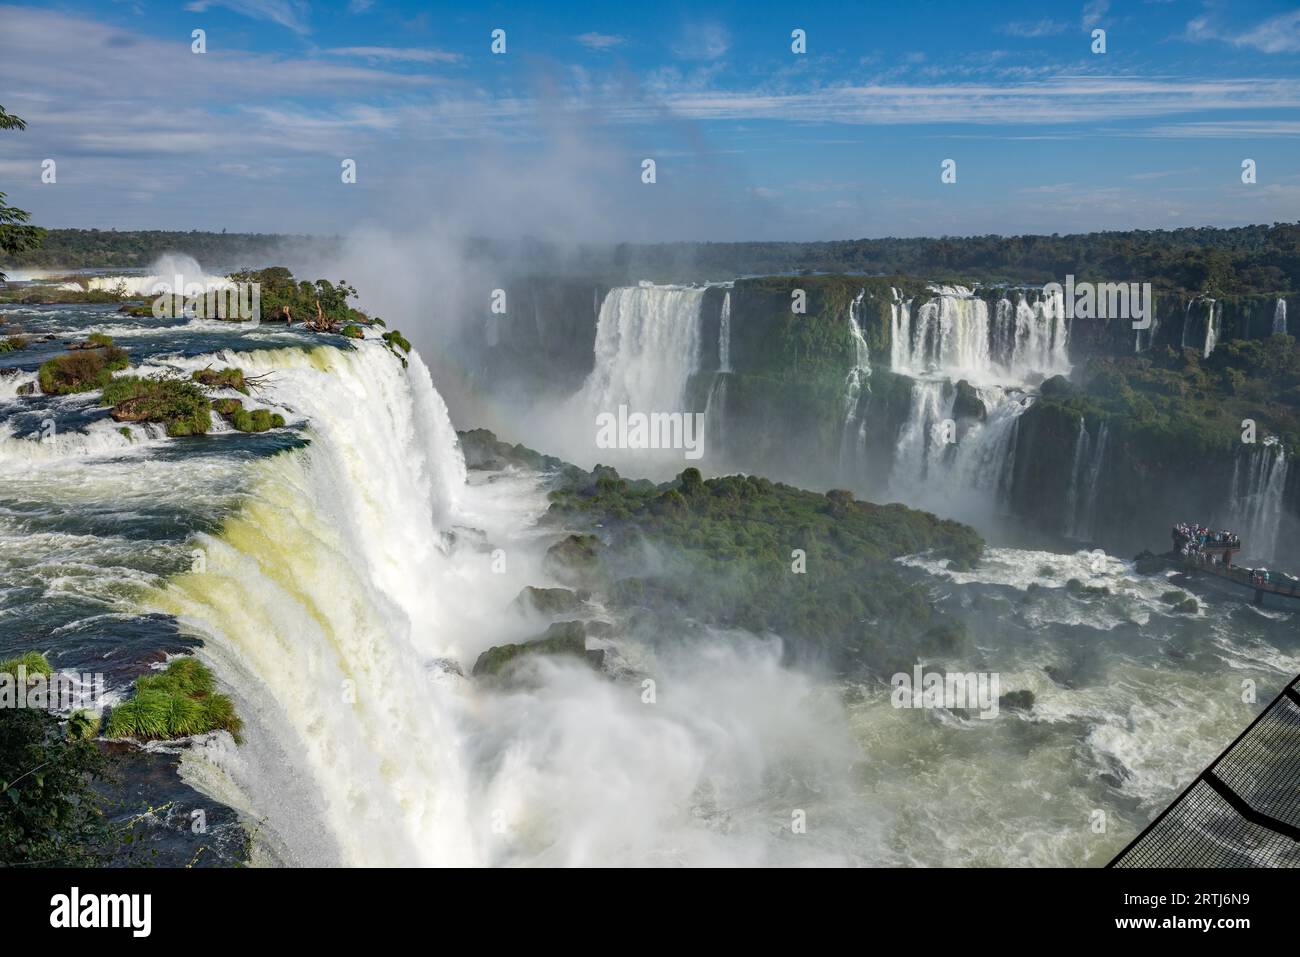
1182, 405
256, 420
13, 343
321, 304
1244, 260
178, 403
35, 663
82, 370
17, 236
49, 815
226, 378
111, 248
743, 551
175, 703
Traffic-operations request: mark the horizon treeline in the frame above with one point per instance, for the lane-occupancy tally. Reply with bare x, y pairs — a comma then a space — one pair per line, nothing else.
1217, 261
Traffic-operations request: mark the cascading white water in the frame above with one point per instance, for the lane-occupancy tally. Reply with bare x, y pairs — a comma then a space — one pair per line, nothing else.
1201, 324
316, 598
1085, 480
164, 270
647, 349
724, 334
1213, 316
900, 332
952, 339
1086, 527
1279, 317
1256, 498
715, 409
1072, 490
953, 336
850, 433
921, 442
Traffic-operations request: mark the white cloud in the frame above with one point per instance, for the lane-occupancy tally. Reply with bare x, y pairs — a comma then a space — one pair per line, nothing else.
1093, 11
292, 14
1040, 28
397, 54
1279, 34
703, 42
600, 41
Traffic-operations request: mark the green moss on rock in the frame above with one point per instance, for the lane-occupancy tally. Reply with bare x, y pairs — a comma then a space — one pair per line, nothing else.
562, 638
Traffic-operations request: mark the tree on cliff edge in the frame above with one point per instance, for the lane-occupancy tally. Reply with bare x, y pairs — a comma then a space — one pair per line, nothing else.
15, 235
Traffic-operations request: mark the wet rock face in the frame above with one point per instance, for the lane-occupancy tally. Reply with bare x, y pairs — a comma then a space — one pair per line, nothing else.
562, 638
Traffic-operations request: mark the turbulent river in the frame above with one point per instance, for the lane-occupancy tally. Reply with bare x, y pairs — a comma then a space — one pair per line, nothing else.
341, 574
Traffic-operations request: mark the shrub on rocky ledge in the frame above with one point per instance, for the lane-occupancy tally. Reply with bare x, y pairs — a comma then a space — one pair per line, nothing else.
179, 404
82, 371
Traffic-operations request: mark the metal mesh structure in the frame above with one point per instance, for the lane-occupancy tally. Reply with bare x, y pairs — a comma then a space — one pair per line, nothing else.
1241, 811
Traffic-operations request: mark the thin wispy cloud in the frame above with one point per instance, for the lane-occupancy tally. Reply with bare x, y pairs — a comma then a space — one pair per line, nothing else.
1038, 28
703, 42
600, 41
1093, 12
1279, 34
397, 54
292, 14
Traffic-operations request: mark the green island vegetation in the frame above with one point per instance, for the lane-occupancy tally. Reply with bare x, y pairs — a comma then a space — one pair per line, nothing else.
1175, 404
256, 420
13, 343
174, 703
82, 370
732, 553
321, 305
181, 405
227, 378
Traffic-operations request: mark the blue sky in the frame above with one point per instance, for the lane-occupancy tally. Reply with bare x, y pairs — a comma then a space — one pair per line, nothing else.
751, 140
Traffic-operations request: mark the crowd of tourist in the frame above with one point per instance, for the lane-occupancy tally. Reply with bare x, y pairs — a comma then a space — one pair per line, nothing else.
1194, 540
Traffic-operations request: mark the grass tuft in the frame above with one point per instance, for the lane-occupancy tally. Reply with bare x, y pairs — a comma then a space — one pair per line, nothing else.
175, 703
35, 663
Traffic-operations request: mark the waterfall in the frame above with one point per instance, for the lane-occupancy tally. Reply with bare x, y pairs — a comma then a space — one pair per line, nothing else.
715, 409
952, 338
1086, 528
900, 332
1143, 339
850, 433
1279, 317
1085, 482
647, 348
724, 334
1072, 490
1256, 498
920, 444
321, 608
1213, 316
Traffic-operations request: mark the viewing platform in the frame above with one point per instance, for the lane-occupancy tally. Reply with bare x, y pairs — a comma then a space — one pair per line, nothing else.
1198, 549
